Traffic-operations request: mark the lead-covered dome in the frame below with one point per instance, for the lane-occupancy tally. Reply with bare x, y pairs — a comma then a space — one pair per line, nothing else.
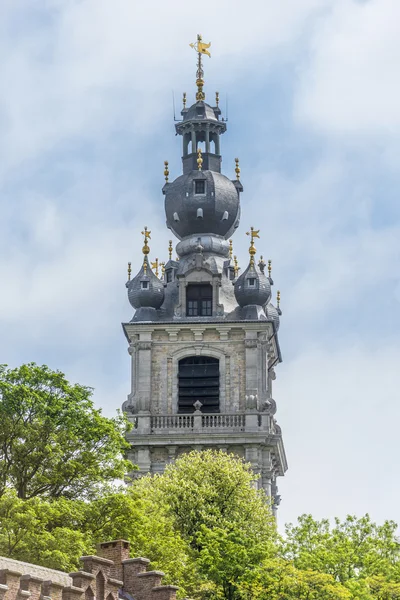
145, 290
252, 287
200, 111
273, 314
202, 202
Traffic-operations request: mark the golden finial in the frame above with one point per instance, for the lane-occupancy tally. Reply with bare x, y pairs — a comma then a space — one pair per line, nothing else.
166, 171
230, 248
199, 159
145, 265
170, 249
217, 98
162, 269
184, 100
252, 250
201, 48
237, 169
154, 265
235, 266
146, 248
269, 268
278, 299
129, 271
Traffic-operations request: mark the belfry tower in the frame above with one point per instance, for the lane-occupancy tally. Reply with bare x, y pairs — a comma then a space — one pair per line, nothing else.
203, 339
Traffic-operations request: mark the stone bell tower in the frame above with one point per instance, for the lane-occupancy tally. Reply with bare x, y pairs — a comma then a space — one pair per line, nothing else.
203, 339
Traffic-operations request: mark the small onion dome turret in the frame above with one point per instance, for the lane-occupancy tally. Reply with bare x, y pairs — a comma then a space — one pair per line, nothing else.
252, 287
273, 314
145, 290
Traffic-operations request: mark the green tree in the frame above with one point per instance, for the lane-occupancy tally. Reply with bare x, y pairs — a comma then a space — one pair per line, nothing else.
278, 579
49, 533
53, 442
350, 549
211, 500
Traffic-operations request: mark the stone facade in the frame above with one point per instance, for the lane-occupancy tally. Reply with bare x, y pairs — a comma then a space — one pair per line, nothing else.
110, 575
204, 338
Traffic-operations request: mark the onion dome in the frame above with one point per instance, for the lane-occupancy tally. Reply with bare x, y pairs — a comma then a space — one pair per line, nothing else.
145, 290
253, 286
202, 202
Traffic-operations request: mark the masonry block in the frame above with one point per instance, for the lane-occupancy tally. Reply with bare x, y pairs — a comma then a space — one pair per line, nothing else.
145, 582
33, 585
52, 590
81, 579
10, 582
72, 593
94, 564
117, 551
164, 592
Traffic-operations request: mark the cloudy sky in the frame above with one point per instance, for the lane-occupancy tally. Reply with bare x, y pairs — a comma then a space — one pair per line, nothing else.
313, 95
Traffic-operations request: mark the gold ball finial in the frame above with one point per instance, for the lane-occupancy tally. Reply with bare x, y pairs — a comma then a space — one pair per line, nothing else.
162, 269
166, 171
184, 100
129, 270
237, 169
230, 248
199, 159
253, 233
235, 266
217, 99
269, 268
170, 249
278, 299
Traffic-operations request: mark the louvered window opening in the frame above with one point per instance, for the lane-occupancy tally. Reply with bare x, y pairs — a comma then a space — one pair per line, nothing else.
199, 300
198, 380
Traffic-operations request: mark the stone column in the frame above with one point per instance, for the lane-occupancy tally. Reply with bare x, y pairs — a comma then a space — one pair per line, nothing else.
207, 138
144, 372
193, 141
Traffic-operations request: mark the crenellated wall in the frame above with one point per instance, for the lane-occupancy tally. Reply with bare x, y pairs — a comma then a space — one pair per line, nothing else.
109, 575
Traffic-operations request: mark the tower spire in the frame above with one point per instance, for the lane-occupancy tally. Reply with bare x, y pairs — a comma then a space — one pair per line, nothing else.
201, 48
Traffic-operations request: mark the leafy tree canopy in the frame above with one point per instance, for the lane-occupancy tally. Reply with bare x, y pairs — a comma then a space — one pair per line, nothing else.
53, 442
205, 525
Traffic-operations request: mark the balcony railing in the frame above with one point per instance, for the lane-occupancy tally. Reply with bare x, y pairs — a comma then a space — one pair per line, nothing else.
201, 423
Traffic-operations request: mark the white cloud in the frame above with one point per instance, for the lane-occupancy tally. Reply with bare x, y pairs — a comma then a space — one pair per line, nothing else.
85, 67
349, 84
339, 412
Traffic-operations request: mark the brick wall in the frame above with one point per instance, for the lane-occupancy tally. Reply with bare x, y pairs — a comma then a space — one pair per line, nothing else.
106, 576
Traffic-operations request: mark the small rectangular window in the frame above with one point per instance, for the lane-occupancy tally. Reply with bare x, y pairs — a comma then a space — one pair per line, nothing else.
199, 186
252, 282
192, 308
145, 285
169, 276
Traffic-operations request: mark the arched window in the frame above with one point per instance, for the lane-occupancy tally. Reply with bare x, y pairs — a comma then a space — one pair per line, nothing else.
198, 379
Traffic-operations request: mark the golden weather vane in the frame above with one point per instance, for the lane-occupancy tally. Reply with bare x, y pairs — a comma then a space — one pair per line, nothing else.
170, 249
253, 233
166, 171
201, 48
146, 248
154, 265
